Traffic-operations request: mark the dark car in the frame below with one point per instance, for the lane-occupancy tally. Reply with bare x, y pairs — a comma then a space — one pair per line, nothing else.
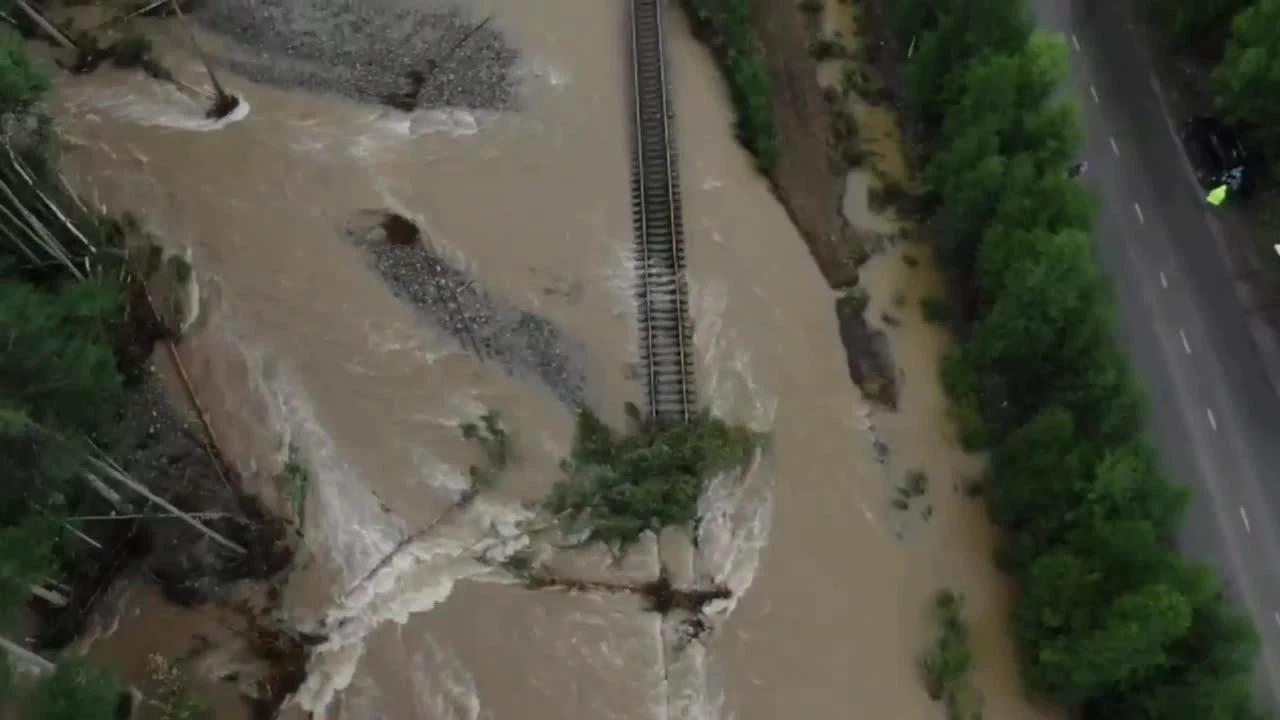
1216, 153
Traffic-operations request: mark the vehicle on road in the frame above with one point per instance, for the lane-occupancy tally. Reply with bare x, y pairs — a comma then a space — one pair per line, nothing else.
1217, 155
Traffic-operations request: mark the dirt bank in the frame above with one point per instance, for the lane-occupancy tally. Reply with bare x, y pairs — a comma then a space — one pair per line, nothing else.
808, 177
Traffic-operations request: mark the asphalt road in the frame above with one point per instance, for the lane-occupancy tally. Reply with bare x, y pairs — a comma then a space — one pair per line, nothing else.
1215, 414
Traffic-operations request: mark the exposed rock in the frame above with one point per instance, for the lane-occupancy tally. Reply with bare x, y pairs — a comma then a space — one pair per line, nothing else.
867, 351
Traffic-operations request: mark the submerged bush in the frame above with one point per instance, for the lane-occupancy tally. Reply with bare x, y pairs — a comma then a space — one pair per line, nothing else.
619, 485
947, 661
491, 436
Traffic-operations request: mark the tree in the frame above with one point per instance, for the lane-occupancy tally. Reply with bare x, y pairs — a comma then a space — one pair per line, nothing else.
21, 82
1099, 611
1128, 638
1038, 332
1002, 134
962, 32
1031, 465
1015, 90
1248, 79
1201, 26
1208, 674
969, 176
1047, 481
75, 690
60, 367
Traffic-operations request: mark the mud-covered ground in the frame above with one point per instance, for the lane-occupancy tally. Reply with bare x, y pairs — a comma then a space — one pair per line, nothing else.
809, 176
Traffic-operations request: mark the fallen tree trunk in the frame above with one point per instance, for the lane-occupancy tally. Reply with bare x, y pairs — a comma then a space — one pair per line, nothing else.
57, 35
111, 470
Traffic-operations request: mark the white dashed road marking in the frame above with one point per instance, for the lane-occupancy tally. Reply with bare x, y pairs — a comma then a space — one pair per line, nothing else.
1094, 92
1245, 517
1277, 617
1164, 281
1115, 148
1185, 345
1138, 209
1075, 42
1213, 421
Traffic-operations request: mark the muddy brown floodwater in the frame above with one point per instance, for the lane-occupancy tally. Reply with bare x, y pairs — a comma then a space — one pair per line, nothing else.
303, 339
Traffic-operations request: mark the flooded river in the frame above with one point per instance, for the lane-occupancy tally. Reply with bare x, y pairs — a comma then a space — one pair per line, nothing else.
309, 338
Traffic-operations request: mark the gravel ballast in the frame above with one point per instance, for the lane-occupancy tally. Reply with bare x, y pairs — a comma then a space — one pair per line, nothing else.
521, 343
368, 50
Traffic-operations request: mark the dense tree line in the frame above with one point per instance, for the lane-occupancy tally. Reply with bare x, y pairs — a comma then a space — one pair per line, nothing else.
1240, 40
1108, 620
62, 383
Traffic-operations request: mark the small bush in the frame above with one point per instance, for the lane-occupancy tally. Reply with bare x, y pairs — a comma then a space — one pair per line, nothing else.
945, 665
491, 436
297, 482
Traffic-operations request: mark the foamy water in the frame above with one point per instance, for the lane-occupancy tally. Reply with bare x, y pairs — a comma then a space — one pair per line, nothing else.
163, 106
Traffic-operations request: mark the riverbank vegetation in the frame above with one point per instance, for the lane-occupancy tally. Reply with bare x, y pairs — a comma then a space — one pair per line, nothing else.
78, 330
619, 484
1108, 622
1240, 41
728, 27
61, 387
945, 665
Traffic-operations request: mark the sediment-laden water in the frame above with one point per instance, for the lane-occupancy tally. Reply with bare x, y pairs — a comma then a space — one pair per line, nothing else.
515, 296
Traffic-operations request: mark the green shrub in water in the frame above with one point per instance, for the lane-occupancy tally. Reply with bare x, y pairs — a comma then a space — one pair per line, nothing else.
618, 485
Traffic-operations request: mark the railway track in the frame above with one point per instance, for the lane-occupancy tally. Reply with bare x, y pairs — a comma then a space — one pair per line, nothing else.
666, 332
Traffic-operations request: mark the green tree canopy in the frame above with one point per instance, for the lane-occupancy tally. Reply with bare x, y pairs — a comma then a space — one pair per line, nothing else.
22, 83
75, 690
954, 35
1248, 79
1038, 333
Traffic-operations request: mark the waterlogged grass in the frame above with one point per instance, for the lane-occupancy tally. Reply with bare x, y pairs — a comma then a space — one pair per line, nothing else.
946, 664
619, 485
728, 28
